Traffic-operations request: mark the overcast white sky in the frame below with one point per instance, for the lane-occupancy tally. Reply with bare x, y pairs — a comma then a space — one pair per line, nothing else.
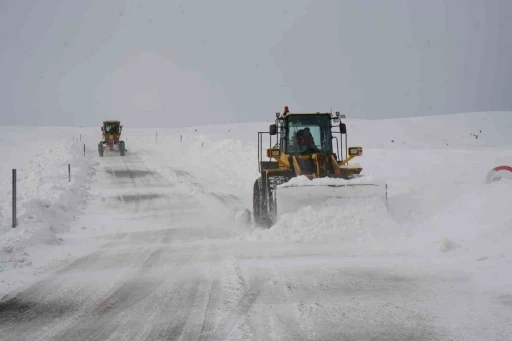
170, 63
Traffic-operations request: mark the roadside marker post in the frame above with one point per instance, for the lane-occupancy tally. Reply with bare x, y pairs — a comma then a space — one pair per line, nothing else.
13, 198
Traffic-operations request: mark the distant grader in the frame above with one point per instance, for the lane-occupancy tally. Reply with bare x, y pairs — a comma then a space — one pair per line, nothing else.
111, 131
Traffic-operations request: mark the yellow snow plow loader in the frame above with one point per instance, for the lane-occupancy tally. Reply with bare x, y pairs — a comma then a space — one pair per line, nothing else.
111, 131
306, 166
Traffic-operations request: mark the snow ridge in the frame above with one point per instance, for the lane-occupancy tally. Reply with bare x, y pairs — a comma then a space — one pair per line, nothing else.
47, 202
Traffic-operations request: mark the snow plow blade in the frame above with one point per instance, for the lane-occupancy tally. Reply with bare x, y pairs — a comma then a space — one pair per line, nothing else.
291, 198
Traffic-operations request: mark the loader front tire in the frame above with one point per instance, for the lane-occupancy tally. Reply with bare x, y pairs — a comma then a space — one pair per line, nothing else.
259, 203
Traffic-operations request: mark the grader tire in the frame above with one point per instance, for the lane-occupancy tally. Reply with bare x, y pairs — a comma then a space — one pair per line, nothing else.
121, 148
100, 149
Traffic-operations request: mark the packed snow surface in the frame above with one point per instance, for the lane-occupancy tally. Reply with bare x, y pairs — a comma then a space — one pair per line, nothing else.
159, 244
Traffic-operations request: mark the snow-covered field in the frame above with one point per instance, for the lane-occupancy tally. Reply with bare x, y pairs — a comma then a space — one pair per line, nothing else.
433, 265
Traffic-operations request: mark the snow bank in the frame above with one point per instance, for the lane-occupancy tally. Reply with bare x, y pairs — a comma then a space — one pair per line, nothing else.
46, 201
350, 223
478, 223
474, 234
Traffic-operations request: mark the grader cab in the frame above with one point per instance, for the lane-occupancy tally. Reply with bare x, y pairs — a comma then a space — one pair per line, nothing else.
111, 131
306, 166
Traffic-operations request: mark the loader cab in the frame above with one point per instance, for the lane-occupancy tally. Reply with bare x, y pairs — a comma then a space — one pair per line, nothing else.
323, 133
306, 134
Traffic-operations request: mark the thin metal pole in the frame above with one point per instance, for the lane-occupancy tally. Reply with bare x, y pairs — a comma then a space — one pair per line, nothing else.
341, 145
270, 142
346, 145
14, 198
69, 172
84, 149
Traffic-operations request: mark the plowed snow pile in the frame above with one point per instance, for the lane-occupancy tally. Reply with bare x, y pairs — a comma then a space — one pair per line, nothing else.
342, 221
478, 225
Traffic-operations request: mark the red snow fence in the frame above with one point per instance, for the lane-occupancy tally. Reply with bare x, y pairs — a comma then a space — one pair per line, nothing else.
497, 173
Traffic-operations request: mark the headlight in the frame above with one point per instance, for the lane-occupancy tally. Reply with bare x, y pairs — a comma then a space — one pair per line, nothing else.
355, 151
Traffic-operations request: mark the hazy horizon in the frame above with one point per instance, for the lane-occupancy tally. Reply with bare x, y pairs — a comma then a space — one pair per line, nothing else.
175, 63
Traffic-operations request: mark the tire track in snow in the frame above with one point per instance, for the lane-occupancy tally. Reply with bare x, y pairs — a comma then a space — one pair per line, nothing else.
291, 328
177, 310
146, 183
140, 198
98, 324
242, 309
61, 297
208, 325
192, 318
234, 302
198, 329
275, 317
175, 332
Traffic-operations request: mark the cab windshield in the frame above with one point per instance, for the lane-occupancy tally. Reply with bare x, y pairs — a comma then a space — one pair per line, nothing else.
306, 134
112, 128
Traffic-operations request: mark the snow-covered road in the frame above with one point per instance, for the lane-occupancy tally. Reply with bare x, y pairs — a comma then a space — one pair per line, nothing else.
155, 245
168, 267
